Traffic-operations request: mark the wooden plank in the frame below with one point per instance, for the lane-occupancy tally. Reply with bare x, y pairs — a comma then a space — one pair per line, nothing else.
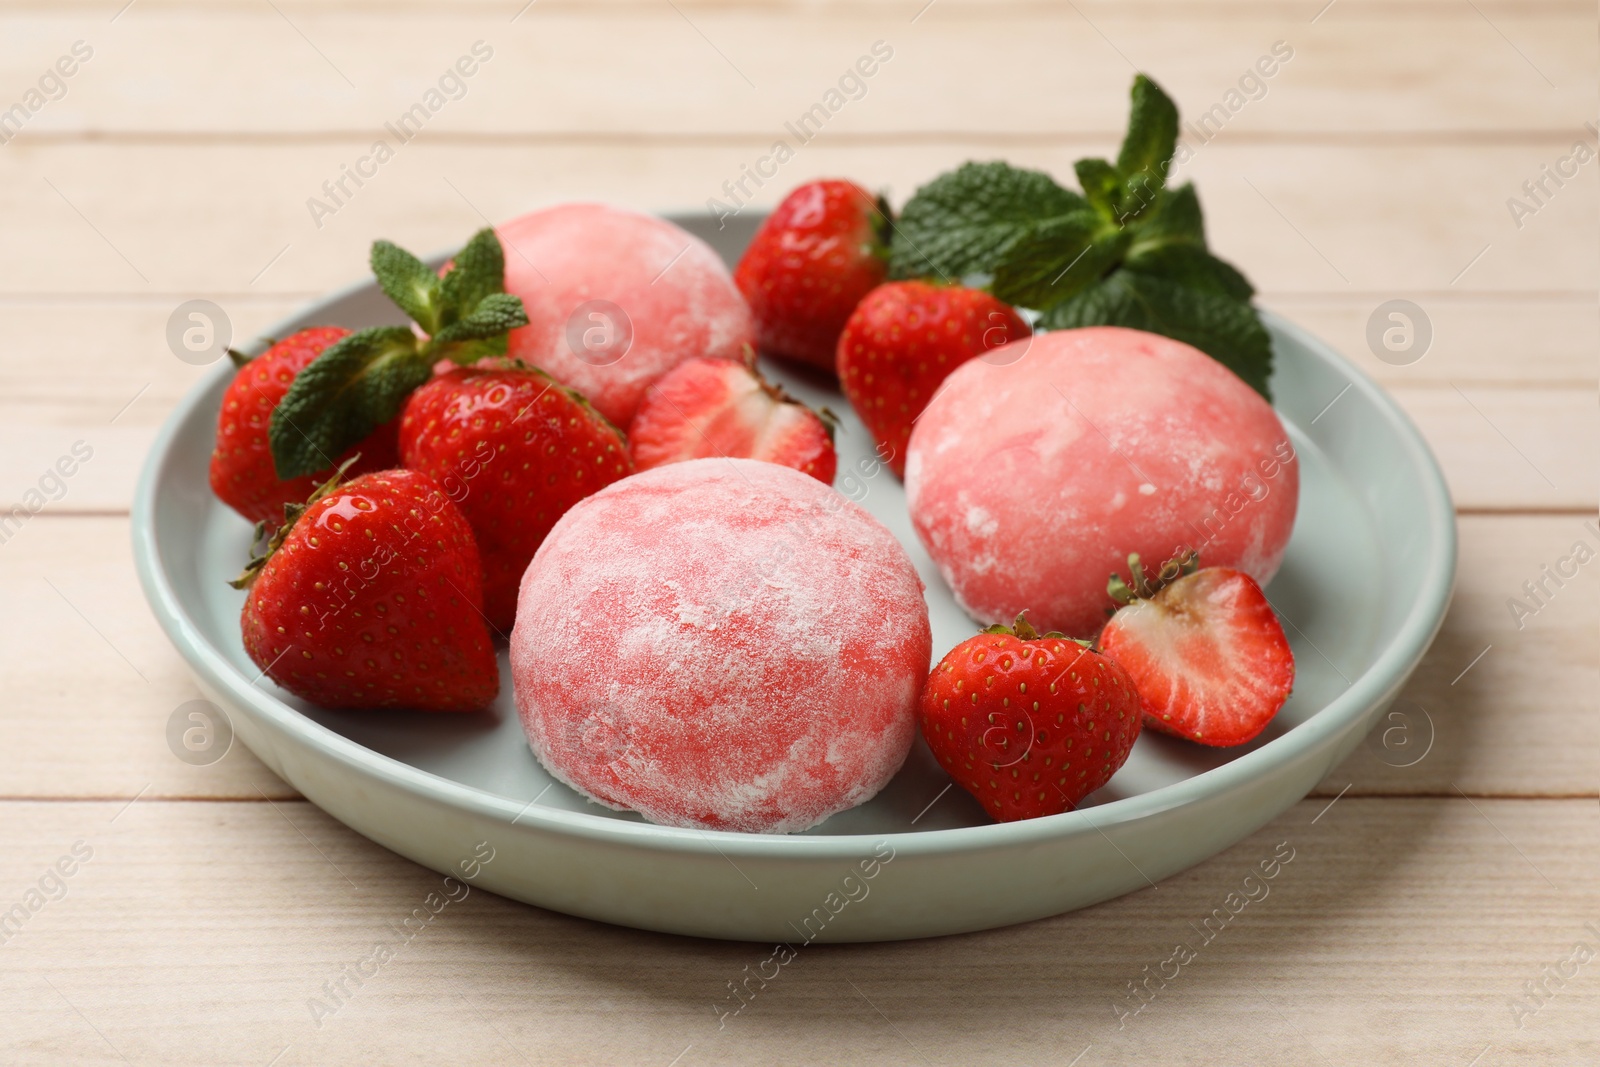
734, 68
91, 682
191, 221
1478, 338
89, 695
1511, 448
1397, 932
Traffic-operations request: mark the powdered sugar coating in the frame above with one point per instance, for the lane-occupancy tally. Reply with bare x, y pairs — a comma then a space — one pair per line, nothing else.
676, 293
723, 644
1031, 481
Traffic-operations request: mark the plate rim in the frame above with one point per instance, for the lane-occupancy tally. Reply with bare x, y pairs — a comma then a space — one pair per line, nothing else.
1393, 664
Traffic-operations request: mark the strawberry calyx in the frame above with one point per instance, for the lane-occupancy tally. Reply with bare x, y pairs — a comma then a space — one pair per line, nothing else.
291, 515
1144, 586
1023, 630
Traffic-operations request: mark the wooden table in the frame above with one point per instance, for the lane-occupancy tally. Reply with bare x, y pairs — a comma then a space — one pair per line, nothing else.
1431, 910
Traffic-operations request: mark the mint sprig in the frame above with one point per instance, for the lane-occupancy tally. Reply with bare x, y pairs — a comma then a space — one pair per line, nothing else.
362, 381
967, 221
1128, 252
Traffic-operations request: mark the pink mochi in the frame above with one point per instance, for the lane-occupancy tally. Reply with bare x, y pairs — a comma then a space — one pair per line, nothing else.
674, 295
721, 644
1031, 479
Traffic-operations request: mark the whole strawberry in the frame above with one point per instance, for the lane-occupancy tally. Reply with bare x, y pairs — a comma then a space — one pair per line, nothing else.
1028, 724
813, 258
901, 342
369, 596
722, 407
517, 450
242, 474
1204, 648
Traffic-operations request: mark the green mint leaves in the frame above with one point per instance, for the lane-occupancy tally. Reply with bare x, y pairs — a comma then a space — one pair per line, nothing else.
347, 392
1127, 252
363, 381
967, 221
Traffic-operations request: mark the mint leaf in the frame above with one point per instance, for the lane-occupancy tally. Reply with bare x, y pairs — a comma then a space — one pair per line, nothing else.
964, 222
480, 334
1152, 136
494, 314
1171, 242
1228, 330
1176, 218
1102, 185
407, 281
478, 271
354, 387
1056, 260
1190, 266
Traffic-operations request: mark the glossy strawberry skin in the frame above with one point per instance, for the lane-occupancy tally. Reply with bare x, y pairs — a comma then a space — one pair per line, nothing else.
720, 407
1208, 656
1028, 727
900, 344
516, 450
242, 473
810, 262
373, 601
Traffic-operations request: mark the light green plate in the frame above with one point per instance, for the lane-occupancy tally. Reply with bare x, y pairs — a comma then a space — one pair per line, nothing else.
1362, 590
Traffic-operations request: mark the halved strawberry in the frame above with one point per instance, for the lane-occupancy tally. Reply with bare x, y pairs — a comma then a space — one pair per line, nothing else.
704, 408
1203, 647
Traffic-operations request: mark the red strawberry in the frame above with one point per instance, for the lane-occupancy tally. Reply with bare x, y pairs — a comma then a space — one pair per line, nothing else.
1204, 649
812, 259
1029, 725
369, 597
901, 342
720, 407
242, 473
516, 450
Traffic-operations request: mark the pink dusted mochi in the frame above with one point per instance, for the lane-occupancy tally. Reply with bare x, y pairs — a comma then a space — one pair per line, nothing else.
616, 299
723, 644
1030, 481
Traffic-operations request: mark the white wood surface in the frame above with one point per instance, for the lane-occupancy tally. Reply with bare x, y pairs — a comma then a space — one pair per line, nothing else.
1377, 164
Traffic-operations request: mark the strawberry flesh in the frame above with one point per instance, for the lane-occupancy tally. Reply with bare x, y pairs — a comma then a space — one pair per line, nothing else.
1207, 655
720, 407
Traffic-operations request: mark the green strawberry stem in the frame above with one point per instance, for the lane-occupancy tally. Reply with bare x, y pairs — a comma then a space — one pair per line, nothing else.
1142, 587
363, 381
1023, 630
291, 515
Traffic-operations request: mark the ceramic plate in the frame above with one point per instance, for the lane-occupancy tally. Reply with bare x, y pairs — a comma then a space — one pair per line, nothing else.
1362, 591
